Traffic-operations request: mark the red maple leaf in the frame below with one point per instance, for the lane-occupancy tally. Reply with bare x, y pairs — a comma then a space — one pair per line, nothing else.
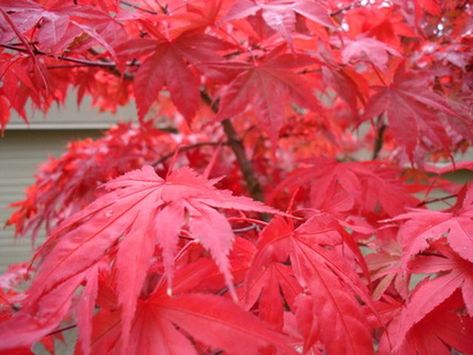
443, 328
349, 85
421, 227
412, 107
316, 268
366, 187
140, 210
163, 324
4, 112
269, 282
329, 301
266, 87
367, 48
174, 63
151, 262
452, 272
67, 184
386, 269
61, 24
280, 15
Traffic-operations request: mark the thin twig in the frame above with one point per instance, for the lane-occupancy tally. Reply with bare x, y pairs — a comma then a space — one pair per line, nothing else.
139, 8
67, 66
379, 141
60, 330
80, 62
378, 74
439, 199
87, 62
164, 8
28, 48
185, 149
246, 229
345, 8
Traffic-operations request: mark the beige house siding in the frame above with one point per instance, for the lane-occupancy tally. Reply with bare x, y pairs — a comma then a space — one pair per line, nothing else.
21, 152
24, 147
72, 117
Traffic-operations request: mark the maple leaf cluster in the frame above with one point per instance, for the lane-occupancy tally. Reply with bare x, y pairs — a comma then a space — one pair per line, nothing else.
277, 192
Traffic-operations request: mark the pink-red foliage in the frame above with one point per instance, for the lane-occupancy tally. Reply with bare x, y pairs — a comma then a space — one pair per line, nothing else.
340, 117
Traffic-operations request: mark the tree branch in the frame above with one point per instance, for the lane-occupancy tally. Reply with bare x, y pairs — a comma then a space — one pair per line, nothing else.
233, 140
79, 62
345, 8
136, 7
85, 62
379, 141
439, 199
246, 229
60, 330
236, 144
185, 149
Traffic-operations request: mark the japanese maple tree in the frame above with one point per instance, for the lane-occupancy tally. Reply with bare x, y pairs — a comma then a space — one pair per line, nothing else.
284, 189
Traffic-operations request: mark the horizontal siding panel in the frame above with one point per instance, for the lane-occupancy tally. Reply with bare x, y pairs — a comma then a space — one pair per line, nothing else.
70, 117
6, 180
21, 153
7, 199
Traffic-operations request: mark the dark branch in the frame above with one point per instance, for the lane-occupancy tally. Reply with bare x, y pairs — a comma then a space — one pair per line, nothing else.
439, 199
136, 7
164, 8
185, 149
246, 229
79, 62
236, 144
60, 330
66, 66
379, 141
345, 8
84, 62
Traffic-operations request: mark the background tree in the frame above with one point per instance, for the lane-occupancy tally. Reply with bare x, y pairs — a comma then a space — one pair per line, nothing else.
335, 118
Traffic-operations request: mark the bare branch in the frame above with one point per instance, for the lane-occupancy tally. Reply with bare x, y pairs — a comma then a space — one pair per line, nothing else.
236, 144
379, 141
136, 7
82, 61
345, 8
185, 149
439, 199
234, 141
60, 330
